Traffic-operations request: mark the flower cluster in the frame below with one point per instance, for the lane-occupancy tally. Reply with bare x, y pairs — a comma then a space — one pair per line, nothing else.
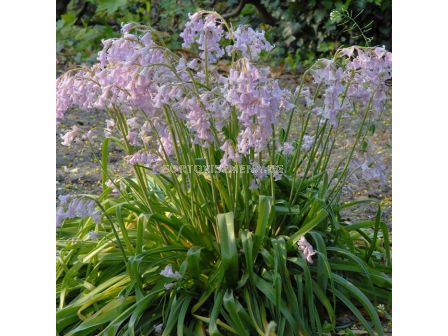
75, 91
207, 32
308, 141
70, 136
259, 102
370, 69
306, 248
249, 42
361, 80
167, 272
124, 78
198, 121
331, 78
230, 155
71, 207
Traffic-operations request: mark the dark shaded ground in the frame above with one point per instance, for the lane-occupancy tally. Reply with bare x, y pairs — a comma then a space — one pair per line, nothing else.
77, 167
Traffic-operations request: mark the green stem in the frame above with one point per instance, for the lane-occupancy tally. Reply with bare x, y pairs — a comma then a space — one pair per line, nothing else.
342, 178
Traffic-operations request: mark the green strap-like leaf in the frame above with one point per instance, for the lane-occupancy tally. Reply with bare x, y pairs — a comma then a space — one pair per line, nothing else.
359, 295
229, 254
263, 221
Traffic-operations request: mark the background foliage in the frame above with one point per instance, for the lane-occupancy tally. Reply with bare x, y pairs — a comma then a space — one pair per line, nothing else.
302, 29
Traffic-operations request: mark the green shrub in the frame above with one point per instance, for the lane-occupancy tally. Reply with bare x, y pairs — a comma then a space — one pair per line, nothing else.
302, 30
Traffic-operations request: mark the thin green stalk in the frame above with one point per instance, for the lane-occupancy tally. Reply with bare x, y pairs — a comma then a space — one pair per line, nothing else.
342, 178
302, 82
313, 153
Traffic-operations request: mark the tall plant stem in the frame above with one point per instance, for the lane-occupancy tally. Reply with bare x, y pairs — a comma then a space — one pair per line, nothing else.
343, 176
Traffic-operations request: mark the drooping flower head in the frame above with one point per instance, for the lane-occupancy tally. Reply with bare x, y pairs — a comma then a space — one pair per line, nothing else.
307, 142
70, 136
230, 155
72, 207
330, 77
167, 272
306, 248
249, 42
259, 101
361, 79
369, 70
206, 31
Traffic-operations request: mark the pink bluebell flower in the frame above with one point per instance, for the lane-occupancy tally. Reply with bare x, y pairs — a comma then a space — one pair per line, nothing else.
306, 249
